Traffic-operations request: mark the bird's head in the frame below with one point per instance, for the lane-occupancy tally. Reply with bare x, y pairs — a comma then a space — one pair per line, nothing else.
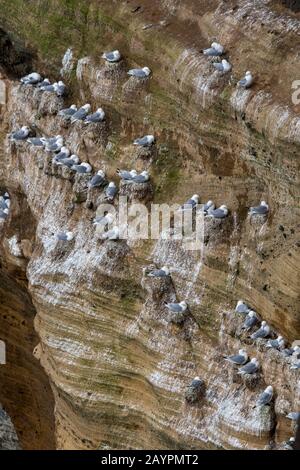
145, 173
195, 198
111, 185
183, 304
263, 323
248, 73
73, 106
133, 172
263, 203
70, 236
87, 107
101, 173
252, 313
166, 269
146, 70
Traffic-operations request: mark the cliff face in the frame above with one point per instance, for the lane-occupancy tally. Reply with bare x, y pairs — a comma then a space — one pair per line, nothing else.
118, 369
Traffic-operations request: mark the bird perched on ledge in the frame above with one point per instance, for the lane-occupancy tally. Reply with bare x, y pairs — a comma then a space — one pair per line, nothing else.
249, 368
247, 81
262, 209
266, 396
20, 134
113, 56
31, 79
215, 50
239, 359
145, 141
139, 73
162, 272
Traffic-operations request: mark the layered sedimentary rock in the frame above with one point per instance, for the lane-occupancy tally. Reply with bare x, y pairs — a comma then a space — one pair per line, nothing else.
118, 367
8, 436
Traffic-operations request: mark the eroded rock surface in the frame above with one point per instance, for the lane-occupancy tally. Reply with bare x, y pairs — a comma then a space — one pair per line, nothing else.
117, 366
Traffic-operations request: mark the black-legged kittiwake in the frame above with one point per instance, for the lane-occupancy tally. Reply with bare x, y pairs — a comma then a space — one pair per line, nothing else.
250, 320
219, 213
81, 113
247, 81
126, 175
223, 66
98, 179
191, 203
266, 396
140, 73
215, 50
20, 134
65, 236
242, 307
141, 178
106, 219
82, 168
262, 209
145, 141
262, 332
277, 343
111, 191
175, 307
98, 116
249, 368
68, 112
162, 272
239, 359
31, 79
113, 56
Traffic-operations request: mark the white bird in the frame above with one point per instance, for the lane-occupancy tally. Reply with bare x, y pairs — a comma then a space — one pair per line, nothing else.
247, 81
20, 134
240, 359
242, 307
55, 146
214, 50
290, 351
266, 396
223, 66
295, 366
139, 73
50, 88
219, 213
98, 116
249, 368
63, 153
209, 205
262, 209
293, 415
289, 444
162, 272
111, 191
190, 203
112, 234
145, 141
60, 88
51, 140
3, 213
69, 162
44, 82
126, 175
31, 79
113, 56
97, 180
262, 332
175, 307
250, 320
106, 219
141, 178
82, 168
277, 343
68, 112
65, 236
36, 141
81, 113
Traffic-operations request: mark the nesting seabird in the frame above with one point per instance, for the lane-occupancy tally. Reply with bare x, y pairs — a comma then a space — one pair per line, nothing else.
223, 66
139, 73
113, 56
60, 88
63, 153
162, 272
112, 234
44, 82
111, 191
239, 359
145, 141
247, 81
82, 168
69, 162
295, 366
249, 368
190, 203
175, 307
141, 178
293, 415
104, 220
81, 113
36, 141
97, 180
215, 50
126, 175
3, 213
242, 307
65, 236
4, 203
51, 88
250, 320
277, 343
209, 205
51, 140
266, 396
98, 116
31, 79
262, 209
289, 444
20, 134
55, 146
290, 351
219, 213
262, 332
68, 112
